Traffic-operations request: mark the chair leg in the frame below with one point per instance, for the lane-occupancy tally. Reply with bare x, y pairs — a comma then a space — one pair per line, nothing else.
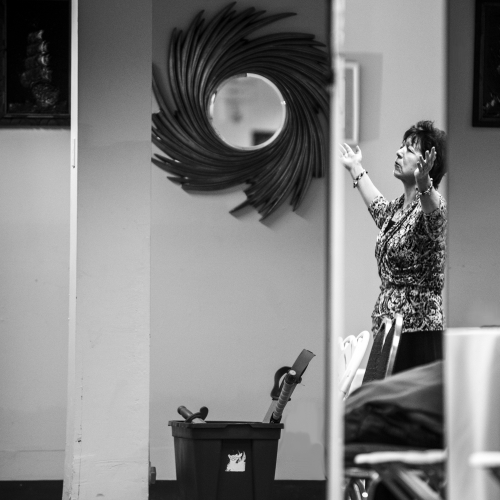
496, 472
352, 490
395, 489
417, 485
406, 484
371, 487
361, 484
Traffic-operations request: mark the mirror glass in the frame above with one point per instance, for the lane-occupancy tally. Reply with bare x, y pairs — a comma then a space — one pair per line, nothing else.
247, 111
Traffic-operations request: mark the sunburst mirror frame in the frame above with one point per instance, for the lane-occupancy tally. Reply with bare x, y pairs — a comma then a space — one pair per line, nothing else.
207, 55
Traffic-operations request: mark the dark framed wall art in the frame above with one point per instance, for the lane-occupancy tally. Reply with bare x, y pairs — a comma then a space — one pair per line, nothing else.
486, 101
35, 41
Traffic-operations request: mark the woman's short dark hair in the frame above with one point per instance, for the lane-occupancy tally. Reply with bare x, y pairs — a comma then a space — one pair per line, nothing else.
424, 136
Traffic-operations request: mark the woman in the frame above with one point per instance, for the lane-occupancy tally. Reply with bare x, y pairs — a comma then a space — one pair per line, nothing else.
411, 246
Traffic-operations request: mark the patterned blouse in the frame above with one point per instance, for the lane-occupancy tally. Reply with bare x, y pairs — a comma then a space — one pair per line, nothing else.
410, 256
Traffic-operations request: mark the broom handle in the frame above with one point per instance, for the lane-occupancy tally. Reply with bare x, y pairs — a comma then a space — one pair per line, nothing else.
286, 391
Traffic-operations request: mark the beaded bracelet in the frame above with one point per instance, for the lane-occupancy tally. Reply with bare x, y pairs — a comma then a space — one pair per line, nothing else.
355, 182
427, 191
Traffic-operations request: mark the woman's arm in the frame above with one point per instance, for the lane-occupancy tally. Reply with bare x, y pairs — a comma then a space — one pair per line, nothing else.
352, 162
435, 222
429, 198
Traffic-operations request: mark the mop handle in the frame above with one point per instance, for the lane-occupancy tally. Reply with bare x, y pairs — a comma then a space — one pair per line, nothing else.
286, 391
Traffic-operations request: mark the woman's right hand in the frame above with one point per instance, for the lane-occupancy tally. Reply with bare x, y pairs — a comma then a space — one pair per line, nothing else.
352, 162
351, 159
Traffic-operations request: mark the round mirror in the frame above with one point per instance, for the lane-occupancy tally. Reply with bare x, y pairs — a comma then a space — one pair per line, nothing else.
247, 111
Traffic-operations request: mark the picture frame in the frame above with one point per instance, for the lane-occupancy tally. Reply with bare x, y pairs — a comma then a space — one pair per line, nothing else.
351, 105
35, 55
486, 98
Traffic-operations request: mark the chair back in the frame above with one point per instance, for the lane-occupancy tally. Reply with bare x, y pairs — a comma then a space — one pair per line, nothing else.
393, 344
347, 347
356, 347
385, 347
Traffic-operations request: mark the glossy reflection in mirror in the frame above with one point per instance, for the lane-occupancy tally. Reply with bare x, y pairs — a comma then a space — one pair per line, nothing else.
247, 111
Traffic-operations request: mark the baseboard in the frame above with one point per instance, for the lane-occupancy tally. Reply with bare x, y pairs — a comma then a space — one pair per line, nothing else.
161, 490
283, 490
31, 490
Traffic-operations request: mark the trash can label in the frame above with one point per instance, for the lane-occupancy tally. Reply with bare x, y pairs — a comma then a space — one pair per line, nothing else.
236, 462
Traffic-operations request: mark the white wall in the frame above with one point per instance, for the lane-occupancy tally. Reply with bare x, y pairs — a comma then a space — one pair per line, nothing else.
234, 299
474, 222
34, 219
400, 45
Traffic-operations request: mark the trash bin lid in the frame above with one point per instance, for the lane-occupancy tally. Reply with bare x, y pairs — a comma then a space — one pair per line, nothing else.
225, 430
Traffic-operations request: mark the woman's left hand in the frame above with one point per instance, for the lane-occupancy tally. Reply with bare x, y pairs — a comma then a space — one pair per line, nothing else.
424, 165
424, 183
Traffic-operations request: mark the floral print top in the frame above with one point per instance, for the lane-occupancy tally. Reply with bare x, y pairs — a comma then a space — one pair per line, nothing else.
410, 256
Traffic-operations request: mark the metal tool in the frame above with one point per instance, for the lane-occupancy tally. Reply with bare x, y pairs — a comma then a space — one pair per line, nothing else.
284, 390
194, 418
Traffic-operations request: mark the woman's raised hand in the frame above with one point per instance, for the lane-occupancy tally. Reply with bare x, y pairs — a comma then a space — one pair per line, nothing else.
352, 162
350, 158
424, 165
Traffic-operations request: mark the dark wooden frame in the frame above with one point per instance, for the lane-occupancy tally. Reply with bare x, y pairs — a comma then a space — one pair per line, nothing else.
206, 55
30, 104
486, 101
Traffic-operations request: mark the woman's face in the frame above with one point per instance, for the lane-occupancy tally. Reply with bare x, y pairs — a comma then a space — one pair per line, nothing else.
406, 161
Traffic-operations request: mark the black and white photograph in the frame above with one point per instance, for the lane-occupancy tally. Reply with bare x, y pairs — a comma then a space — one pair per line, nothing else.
249, 250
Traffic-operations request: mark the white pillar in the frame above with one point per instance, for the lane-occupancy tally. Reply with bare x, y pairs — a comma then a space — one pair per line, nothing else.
107, 449
335, 258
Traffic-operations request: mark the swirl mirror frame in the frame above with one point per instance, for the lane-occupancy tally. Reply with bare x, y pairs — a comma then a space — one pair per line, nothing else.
207, 55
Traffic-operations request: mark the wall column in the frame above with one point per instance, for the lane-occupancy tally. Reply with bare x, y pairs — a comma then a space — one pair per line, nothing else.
335, 285
107, 449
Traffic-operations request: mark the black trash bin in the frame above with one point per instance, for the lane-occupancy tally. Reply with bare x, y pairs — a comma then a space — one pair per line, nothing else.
225, 460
